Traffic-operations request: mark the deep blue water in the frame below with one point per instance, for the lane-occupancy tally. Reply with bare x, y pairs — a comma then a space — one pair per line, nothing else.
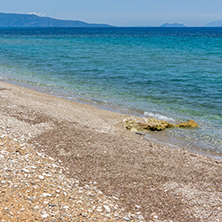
169, 73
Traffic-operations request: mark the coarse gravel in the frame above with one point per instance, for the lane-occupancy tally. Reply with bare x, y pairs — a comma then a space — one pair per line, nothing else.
34, 188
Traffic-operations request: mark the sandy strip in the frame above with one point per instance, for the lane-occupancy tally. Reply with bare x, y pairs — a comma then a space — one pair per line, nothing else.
168, 184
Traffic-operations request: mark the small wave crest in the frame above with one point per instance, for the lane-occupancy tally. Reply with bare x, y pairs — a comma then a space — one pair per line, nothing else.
159, 116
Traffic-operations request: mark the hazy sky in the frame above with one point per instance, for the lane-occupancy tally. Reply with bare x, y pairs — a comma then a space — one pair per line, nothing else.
122, 12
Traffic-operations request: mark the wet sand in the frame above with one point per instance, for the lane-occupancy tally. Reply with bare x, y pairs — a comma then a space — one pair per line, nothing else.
168, 184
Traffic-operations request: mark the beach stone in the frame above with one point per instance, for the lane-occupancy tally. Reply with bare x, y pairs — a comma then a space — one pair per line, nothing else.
45, 215
99, 209
154, 216
41, 177
25, 170
107, 215
107, 209
190, 124
140, 217
127, 219
46, 195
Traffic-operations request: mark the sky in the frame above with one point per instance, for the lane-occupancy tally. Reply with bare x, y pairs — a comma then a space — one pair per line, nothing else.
122, 12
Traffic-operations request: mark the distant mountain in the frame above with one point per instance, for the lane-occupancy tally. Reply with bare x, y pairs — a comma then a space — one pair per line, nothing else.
172, 25
215, 24
31, 20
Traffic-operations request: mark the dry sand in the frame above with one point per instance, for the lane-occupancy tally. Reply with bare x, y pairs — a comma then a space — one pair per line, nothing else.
137, 178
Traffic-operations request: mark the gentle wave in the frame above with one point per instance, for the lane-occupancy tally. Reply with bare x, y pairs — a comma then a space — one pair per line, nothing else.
159, 117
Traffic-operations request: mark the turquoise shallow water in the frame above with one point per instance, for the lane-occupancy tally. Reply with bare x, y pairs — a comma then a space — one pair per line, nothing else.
169, 73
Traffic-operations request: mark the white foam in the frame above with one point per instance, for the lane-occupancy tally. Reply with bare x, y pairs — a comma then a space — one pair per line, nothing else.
159, 116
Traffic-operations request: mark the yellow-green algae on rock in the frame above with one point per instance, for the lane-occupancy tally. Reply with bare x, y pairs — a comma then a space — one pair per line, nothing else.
151, 124
191, 123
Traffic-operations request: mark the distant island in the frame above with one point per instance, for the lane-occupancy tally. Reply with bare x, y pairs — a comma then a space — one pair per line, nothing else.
173, 25
31, 20
215, 24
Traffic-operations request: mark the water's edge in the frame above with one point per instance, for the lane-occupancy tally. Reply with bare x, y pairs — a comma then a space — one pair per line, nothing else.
162, 137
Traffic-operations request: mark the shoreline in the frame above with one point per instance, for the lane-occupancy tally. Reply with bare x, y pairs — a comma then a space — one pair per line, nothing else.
172, 183
161, 138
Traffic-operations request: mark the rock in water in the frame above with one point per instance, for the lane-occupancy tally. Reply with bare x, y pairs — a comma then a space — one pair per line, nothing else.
151, 124
190, 124
146, 124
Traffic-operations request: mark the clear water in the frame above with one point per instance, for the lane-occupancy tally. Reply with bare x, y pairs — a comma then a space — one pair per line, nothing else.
170, 73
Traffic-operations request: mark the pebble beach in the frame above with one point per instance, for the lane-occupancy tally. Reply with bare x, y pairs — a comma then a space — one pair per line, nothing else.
66, 161
34, 188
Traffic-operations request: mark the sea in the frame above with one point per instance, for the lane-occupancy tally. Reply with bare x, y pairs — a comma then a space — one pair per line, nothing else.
172, 74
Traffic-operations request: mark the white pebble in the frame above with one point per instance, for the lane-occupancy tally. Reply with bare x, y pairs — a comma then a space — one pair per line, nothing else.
140, 217
45, 215
99, 209
108, 216
45, 174
46, 195
115, 198
107, 209
26, 170
127, 218
41, 177
87, 187
84, 214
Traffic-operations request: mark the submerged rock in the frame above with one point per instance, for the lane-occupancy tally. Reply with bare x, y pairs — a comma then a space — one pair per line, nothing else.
151, 124
191, 123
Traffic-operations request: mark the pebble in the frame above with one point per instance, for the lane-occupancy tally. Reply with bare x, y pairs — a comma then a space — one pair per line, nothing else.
107, 209
41, 177
46, 195
107, 215
25, 170
140, 217
115, 198
45, 215
47, 175
154, 216
84, 214
99, 209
